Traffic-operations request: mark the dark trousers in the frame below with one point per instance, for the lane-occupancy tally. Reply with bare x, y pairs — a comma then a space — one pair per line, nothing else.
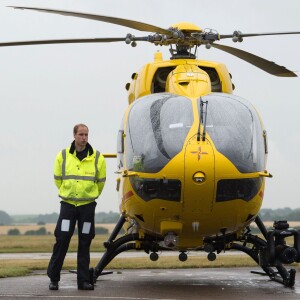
85, 217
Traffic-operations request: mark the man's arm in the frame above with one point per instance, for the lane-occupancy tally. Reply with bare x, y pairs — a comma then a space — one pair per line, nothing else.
101, 173
58, 170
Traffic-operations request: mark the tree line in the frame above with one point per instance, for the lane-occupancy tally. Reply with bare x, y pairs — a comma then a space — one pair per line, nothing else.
267, 214
6, 219
43, 231
286, 213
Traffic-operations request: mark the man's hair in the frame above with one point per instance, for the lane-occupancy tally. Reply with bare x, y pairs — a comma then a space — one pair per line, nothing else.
75, 129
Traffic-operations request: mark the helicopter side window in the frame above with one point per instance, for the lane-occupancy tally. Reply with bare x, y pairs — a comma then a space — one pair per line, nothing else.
156, 131
236, 131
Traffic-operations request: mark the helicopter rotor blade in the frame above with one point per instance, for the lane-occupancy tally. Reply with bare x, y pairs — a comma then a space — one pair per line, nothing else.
242, 35
118, 21
62, 41
259, 62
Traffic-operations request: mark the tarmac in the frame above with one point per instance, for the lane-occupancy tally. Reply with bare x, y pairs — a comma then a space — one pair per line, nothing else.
146, 284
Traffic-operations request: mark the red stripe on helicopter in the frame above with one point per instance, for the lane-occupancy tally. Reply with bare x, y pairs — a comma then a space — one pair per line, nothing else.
127, 195
261, 194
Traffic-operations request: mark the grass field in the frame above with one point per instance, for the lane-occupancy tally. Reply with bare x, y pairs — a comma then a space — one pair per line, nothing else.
42, 243
49, 227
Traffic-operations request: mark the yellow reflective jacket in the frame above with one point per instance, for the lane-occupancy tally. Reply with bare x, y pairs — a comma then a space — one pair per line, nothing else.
79, 182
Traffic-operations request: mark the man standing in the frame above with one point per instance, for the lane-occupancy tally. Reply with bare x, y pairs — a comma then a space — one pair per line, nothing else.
79, 174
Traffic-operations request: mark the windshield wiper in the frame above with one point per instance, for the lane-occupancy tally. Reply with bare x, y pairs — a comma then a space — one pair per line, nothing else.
203, 117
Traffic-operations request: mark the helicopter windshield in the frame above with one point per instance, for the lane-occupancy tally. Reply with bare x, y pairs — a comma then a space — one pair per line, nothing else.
156, 130
235, 129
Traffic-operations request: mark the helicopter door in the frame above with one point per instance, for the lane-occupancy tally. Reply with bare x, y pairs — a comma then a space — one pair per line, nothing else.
199, 176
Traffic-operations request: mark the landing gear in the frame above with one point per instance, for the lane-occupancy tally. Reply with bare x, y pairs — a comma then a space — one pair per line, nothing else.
272, 252
128, 242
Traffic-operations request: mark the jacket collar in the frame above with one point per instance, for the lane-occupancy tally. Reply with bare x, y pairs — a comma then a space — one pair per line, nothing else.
88, 146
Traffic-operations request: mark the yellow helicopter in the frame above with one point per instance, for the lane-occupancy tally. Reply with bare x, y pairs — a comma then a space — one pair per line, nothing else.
191, 155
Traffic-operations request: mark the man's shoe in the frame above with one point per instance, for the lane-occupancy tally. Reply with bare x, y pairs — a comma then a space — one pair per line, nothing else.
53, 286
85, 286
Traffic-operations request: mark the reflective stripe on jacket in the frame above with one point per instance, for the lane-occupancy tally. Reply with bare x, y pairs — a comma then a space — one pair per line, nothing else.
79, 182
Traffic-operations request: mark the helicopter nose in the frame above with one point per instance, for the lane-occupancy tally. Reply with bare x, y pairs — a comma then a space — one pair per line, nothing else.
199, 175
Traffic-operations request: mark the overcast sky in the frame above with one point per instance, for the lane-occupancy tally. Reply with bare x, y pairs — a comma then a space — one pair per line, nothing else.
46, 89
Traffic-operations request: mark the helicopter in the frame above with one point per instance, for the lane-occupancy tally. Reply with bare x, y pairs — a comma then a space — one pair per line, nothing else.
191, 155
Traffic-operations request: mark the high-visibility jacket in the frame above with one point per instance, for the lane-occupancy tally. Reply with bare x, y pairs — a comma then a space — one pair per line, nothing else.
79, 182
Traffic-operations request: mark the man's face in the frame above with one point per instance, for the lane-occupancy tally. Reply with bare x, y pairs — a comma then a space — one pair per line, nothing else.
81, 137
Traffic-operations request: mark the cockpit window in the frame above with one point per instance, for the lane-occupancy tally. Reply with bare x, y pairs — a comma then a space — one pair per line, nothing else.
156, 130
235, 129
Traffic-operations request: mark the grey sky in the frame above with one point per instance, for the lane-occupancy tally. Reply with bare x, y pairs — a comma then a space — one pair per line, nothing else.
45, 90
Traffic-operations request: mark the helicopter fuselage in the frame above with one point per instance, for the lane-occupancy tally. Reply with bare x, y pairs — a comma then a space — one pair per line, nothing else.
191, 155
